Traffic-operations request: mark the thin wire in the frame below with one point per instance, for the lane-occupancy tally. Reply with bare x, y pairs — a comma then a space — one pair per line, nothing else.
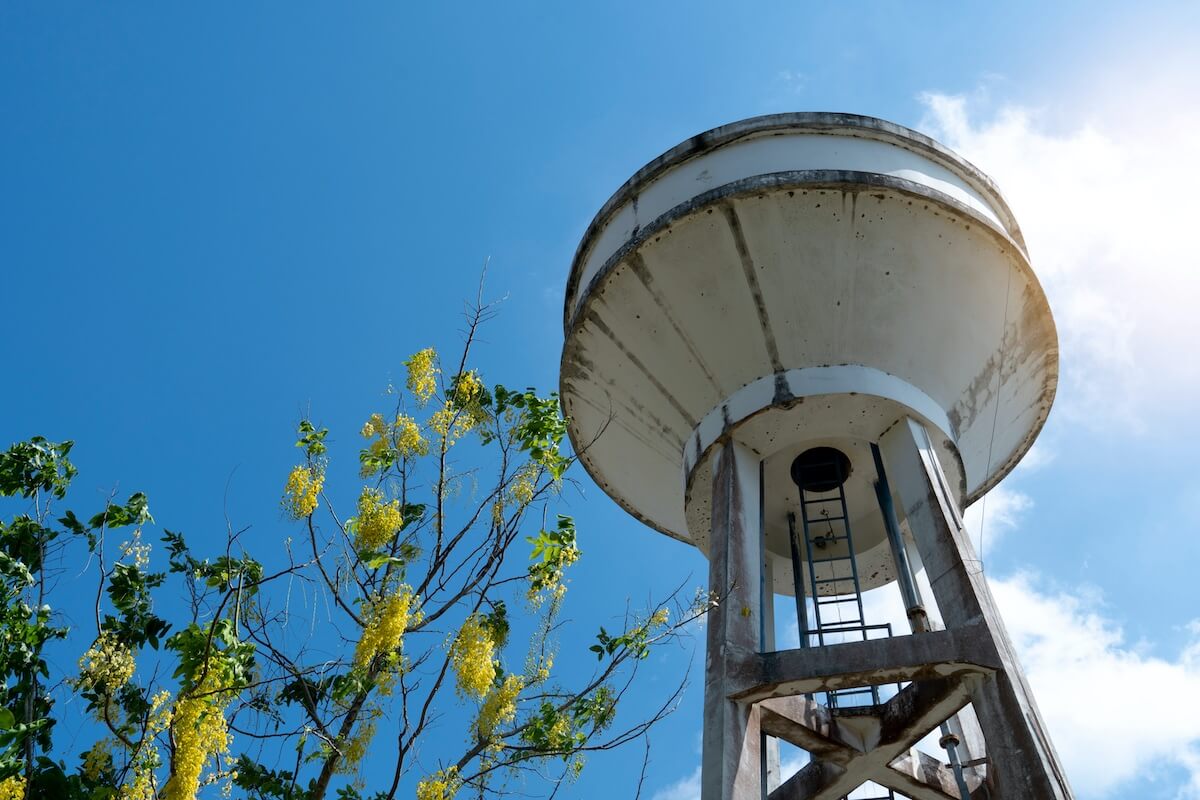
995, 413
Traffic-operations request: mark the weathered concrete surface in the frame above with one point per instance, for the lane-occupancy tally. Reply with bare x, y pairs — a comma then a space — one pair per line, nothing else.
849, 752
732, 760
1022, 760
922, 777
936, 654
774, 247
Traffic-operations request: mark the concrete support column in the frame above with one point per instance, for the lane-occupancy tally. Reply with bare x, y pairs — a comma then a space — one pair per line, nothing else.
767, 645
1022, 762
732, 761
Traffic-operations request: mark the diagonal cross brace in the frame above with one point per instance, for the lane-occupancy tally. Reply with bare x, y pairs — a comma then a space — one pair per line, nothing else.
848, 752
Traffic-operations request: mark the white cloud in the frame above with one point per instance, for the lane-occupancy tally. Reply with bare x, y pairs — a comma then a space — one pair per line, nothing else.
1107, 209
1115, 713
995, 514
687, 788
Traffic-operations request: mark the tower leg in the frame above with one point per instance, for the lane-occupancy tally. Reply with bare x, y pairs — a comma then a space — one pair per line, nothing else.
732, 761
770, 763
1022, 762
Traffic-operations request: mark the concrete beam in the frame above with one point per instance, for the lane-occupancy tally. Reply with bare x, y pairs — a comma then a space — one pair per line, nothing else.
810, 726
920, 776
936, 654
846, 756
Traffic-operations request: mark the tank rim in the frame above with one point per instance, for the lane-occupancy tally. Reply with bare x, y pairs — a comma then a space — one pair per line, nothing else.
799, 123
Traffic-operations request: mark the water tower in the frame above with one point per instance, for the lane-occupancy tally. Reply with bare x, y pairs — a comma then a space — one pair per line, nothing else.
802, 343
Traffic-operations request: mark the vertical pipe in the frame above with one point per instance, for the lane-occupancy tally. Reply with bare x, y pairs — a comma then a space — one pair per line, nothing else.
798, 582
917, 617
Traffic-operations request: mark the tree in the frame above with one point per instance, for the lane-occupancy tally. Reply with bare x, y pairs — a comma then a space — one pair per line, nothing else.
251, 690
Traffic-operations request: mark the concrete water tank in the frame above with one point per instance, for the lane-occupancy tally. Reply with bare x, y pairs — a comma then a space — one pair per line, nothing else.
795, 281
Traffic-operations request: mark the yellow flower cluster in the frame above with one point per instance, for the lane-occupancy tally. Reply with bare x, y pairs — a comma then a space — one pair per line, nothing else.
659, 618
472, 655
300, 494
375, 426
451, 425
13, 788
523, 485
200, 733
378, 522
106, 666
387, 620
355, 748
559, 735
540, 671
422, 374
441, 785
404, 434
468, 391
407, 435
499, 707
143, 785
97, 760
134, 547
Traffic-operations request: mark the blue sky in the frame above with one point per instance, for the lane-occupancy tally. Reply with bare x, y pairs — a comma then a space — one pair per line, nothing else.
214, 219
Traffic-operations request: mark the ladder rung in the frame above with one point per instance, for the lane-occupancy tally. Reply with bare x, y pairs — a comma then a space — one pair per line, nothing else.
835, 580
831, 558
817, 500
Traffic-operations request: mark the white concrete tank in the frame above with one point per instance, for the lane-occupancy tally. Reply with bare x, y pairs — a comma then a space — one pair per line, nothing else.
801, 280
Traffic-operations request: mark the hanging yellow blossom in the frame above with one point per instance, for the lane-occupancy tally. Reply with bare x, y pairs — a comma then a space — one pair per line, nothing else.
559, 734
354, 749
499, 707
387, 620
422, 374
375, 426
106, 666
143, 785
201, 735
541, 672
441, 785
98, 759
378, 522
523, 485
408, 437
300, 494
13, 788
468, 390
472, 655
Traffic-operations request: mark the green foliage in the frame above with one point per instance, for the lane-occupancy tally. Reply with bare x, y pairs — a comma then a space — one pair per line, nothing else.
136, 511
129, 590
311, 439
556, 550
264, 783
540, 427
234, 653
36, 466
214, 646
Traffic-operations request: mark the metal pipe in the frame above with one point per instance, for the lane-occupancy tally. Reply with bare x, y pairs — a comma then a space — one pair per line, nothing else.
917, 617
950, 743
798, 582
